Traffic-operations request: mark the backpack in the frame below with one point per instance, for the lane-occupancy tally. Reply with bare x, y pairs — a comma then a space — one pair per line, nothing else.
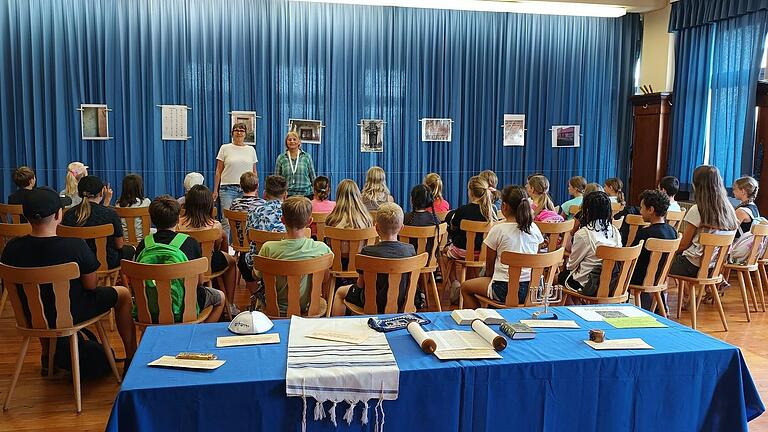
93, 358
160, 253
743, 245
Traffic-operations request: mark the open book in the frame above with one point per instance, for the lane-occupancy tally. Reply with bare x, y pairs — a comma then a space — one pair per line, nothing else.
480, 343
466, 316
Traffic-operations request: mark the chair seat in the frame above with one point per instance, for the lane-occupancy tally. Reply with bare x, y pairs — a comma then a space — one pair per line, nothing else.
611, 300
344, 274
62, 332
697, 281
429, 269
740, 267
202, 316
648, 289
471, 263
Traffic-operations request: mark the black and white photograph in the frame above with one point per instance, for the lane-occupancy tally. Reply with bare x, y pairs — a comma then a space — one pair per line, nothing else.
310, 131
566, 136
94, 121
371, 136
174, 125
436, 129
249, 118
514, 130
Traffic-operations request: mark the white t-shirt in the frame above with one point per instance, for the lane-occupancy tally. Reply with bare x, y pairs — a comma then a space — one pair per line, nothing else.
674, 206
583, 258
507, 237
237, 160
696, 250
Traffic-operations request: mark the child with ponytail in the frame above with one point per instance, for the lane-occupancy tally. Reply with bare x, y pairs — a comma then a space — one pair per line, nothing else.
517, 233
613, 187
745, 190
493, 182
75, 171
435, 185
543, 207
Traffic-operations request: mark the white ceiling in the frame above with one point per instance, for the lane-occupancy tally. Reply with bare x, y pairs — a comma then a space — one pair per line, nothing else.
631, 5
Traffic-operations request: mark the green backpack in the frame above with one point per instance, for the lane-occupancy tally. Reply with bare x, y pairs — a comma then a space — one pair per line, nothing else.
160, 253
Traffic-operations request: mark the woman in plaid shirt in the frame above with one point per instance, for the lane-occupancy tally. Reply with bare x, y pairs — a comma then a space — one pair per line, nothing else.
296, 166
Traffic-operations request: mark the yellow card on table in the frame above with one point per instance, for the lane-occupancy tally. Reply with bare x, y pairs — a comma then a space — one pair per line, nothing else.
259, 339
619, 344
339, 336
550, 323
173, 362
635, 322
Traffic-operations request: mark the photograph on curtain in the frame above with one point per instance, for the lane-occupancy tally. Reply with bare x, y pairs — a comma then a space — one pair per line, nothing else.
94, 122
514, 130
371, 136
310, 131
566, 136
249, 118
436, 129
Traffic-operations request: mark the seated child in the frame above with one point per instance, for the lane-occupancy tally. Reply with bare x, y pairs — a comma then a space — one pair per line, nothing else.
132, 195
164, 213
249, 183
191, 179
320, 202
493, 182
24, 179
375, 191
517, 233
614, 188
745, 190
296, 215
435, 185
543, 207
576, 187
389, 221
670, 185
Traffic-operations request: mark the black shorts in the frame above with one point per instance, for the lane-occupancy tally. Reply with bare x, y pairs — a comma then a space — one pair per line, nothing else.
93, 303
218, 261
245, 271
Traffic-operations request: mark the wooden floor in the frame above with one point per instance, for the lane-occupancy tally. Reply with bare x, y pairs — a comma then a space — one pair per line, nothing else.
42, 403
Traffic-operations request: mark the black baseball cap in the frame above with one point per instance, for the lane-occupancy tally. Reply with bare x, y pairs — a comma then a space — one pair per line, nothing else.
42, 202
89, 186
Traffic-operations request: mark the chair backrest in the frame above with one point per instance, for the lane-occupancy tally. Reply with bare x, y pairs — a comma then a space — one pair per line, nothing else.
356, 238
207, 239
625, 258
260, 237
634, 222
394, 268
162, 274
574, 209
422, 235
616, 207
319, 220
759, 232
441, 216
662, 253
293, 271
675, 217
31, 279
473, 229
617, 222
557, 234
10, 231
238, 222
716, 248
541, 264
11, 213
99, 234
130, 214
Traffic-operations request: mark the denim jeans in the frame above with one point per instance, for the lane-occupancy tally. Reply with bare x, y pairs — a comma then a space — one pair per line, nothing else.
227, 194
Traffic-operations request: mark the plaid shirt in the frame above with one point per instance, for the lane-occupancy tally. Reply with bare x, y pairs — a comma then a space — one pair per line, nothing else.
299, 183
265, 218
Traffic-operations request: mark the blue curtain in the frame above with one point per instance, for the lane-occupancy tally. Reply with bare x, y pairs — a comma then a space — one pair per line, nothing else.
739, 45
693, 72
335, 63
692, 13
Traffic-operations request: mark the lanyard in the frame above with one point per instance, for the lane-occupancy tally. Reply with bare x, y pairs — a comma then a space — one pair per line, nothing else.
294, 167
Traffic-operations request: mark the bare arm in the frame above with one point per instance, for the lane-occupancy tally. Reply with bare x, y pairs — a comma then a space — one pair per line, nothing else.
88, 281
742, 216
490, 261
217, 178
687, 240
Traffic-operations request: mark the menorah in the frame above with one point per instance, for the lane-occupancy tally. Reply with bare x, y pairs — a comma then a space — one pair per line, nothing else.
545, 294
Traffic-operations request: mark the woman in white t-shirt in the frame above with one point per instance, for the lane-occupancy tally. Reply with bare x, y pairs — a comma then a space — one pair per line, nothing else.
712, 213
517, 233
232, 161
132, 195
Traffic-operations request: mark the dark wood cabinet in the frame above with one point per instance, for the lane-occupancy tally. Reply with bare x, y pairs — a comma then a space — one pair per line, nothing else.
761, 147
650, 141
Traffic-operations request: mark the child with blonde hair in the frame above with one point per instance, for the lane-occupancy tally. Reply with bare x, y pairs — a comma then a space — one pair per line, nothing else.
375, 191
493, 182
75, 171
745, 190
576, 186
542, 205
435, 185
613, 187
350, 211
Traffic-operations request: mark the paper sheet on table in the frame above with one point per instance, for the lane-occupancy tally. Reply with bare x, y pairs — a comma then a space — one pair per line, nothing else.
345, 336
456, 345
259, 339
619, 344
600, 313
173, 362
550, 323
635, 322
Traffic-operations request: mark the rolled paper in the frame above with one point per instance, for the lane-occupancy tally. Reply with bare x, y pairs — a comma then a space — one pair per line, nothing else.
597, 336
487, 333
420, 336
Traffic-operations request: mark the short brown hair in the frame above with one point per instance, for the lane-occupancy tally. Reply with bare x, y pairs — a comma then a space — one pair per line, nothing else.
296, 211
164, 212
23, 176
389, 218
249, 181
275, 186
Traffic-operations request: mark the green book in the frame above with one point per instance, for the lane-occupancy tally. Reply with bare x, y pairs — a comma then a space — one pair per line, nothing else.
635, 322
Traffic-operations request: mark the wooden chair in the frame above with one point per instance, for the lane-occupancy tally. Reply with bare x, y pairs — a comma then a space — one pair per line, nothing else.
541, 264
557, 233
635, 222
395, 269
238, 222
8, 232
574, 210
441, 216
11, 213
260, 237
319, 220
715, 251
135, 274
294, 271
422, 235
625, 258
744, 270
655, 280
130, 214
471, 260
33, 280
355, 239
207, 239
617, 222
616, 207
674, 218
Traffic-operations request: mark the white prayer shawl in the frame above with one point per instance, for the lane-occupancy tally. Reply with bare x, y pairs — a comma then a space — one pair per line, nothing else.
340, 372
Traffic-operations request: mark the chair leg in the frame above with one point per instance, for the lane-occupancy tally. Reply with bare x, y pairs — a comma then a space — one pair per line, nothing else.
331, 293
758, 281
433, 284
743, 289
658, 300
680, 295
112, 320
108, 350
751, 288
462, 278
3, 299
73, 343
720, 308
693, 303
51, 355
17, 371
636, 298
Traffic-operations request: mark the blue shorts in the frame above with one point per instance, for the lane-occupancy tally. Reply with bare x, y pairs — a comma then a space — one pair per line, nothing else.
500, 288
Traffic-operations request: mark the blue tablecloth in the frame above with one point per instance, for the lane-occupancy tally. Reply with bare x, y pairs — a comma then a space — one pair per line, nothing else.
555, 382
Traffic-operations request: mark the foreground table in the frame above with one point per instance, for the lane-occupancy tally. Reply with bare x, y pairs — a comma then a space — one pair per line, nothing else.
554, 382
